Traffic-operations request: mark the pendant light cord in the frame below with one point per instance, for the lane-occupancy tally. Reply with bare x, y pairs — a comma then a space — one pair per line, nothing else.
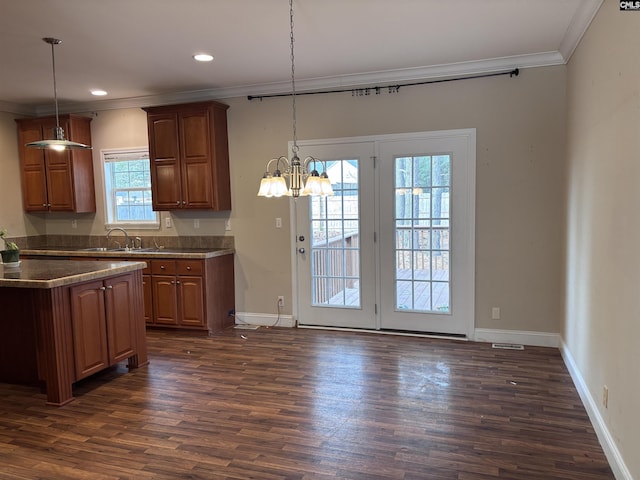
59, 135
55, 86
293, 80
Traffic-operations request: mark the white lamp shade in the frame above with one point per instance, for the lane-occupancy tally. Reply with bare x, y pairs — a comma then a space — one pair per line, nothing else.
325, 186
278, 187
265, 187
313, 186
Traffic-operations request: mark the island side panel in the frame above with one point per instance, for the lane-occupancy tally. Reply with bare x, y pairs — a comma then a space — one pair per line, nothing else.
140, 359
55, 343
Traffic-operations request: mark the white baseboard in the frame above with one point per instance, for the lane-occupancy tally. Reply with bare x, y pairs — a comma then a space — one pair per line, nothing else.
264, 319
616, 462
535, 339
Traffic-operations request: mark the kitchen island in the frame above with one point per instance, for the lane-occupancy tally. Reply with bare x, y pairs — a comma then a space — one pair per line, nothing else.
62, 321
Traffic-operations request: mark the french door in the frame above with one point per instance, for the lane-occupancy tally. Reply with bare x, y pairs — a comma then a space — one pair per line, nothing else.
393, 249
335, 248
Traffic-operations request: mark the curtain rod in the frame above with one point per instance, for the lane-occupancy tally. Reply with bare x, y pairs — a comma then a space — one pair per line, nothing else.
391, 88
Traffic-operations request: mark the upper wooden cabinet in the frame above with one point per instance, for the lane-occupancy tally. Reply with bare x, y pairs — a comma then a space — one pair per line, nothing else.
56, 181
189, 155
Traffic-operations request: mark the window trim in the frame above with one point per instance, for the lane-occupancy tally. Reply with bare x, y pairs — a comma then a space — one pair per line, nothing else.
105, 155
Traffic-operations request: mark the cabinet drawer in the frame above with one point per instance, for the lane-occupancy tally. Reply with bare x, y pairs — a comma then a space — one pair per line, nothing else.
147, 269
159, 267
189, 267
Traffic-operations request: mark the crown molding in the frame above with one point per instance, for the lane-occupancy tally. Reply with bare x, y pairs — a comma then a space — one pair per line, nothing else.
381, 78
18, 109
578, 26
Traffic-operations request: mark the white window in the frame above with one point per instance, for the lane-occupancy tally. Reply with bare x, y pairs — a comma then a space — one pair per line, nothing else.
127, 188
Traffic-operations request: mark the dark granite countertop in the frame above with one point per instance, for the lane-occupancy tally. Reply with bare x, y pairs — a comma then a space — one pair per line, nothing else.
193, 253
57, 273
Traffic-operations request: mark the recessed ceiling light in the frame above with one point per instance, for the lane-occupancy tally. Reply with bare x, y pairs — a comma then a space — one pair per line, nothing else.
203, 57
98, 92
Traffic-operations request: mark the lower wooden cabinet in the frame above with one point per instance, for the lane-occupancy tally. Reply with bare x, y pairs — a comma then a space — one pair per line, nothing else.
177, 289
103, 323
190, 294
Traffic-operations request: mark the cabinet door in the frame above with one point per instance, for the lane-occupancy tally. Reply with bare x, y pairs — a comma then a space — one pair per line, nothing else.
164, 154
121, 319
195, 151
70, 178
88, 323
34, 182
59, 181
191, 301
165, 309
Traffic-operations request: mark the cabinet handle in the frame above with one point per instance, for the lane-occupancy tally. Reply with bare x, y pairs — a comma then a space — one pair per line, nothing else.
161, 267
189, 268
178, 282
184, 202
172, 282
103, 288
178, 202
44, 204
109, 287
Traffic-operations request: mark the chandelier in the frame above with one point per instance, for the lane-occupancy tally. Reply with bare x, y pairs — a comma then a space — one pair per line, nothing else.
302, 180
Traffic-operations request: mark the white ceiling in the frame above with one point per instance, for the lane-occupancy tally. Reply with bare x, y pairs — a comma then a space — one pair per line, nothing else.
140, 50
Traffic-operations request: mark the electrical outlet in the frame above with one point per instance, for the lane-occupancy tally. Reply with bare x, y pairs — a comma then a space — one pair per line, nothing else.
227, 224
495, 313
167, 222
281, 300
605, 396
278, 222
74, 224
196, 223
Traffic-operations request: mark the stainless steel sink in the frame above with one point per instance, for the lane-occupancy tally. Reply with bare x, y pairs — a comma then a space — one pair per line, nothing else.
121, 249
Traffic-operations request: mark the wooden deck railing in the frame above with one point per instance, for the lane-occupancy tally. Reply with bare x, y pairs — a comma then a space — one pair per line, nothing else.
334, 266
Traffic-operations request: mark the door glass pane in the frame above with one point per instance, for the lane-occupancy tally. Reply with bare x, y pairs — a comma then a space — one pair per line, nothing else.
335, 239
422, 231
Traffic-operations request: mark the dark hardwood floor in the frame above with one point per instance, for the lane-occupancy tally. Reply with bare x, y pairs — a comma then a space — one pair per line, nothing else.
309, 404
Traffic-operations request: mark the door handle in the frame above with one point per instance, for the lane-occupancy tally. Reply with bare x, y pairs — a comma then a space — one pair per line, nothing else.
301, 250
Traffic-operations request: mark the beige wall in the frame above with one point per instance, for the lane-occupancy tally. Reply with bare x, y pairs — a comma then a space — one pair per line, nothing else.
602, 327
520, 181
520, 145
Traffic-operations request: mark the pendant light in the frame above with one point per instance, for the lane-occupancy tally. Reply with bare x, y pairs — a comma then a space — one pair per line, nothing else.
58, 143
274, 184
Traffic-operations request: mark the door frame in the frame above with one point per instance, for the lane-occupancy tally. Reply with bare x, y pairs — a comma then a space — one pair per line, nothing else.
469, 292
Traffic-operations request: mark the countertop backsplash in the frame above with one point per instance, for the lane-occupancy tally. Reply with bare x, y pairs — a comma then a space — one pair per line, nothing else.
90, 241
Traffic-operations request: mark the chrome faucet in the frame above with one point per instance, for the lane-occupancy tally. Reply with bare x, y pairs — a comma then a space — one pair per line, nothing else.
126, 236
